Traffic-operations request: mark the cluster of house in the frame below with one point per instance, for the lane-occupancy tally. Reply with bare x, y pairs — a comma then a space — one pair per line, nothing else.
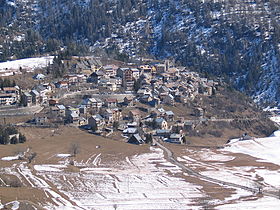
150, 84
9, 95
112, 115
155, 82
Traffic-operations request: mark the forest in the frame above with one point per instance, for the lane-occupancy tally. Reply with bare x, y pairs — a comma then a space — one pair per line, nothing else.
232, 39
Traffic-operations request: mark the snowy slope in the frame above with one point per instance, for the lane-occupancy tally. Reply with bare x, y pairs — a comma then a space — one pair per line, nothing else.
27, 63
266, 149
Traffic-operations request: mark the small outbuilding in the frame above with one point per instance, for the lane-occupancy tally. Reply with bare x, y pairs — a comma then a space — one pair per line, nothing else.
136, 139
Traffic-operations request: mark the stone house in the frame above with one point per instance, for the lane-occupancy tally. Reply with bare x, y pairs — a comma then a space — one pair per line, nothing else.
35, 97
97, 122
111, 102
128, 101
161, 123
169, 116
41, 119
175, 138
169, 100
93, 103
95, 77
110, 70
72, 114
26, 99
134, 115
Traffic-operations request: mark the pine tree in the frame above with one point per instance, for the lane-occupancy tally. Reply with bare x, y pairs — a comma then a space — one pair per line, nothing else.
14, 140
22, 138
149, 138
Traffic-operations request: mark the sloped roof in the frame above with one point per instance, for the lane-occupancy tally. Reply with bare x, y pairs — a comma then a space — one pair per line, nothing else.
27, 94
111, 100
169, 113
130, 130
39, 76
159, 120
61, 107
135, 112
98, 117
175, 136
162, 131
35, 92
164, 88
136, 138
74, 115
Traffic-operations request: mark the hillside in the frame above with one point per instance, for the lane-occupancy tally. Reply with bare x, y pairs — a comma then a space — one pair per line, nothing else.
113, 175
235, 39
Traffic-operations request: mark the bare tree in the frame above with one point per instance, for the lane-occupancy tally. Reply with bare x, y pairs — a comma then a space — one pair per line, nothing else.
74, 149
31, 157
20, 153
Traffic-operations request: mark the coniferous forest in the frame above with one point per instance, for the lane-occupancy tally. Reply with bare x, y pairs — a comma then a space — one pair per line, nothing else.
235, 39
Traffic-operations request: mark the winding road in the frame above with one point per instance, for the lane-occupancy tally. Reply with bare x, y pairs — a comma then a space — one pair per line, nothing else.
172, 159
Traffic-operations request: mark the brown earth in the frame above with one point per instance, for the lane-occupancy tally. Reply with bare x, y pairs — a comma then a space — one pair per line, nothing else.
49, 142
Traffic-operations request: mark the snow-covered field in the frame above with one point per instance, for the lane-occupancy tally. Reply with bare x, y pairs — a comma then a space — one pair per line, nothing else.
258, 204
149, 181
140, 182
265, 174
266, 149
29, 64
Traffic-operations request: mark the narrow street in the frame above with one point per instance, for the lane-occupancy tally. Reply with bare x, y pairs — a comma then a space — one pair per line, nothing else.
20, 111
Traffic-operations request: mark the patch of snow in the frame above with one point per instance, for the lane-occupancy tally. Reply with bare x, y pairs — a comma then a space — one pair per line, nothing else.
138, 182
27, 63
266, 149
96, 160
189, 159
128, 161
211, 156
63, 155
14, 204
270, 177
11, 3
9, 158
96, 170
276, 133
181, 159
259, 204
49, 167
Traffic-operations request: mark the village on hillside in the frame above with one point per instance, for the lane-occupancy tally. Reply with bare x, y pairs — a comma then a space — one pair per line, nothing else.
73, 139
129, 101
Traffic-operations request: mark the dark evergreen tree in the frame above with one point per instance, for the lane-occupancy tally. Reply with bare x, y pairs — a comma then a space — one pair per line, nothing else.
14, 140
148, 138
22, 138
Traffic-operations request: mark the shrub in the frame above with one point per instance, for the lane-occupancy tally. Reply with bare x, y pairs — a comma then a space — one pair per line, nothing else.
215, 133
31, 157
15, 183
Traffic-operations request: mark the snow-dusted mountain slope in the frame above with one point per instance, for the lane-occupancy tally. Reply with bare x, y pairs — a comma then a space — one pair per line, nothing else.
237, 39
